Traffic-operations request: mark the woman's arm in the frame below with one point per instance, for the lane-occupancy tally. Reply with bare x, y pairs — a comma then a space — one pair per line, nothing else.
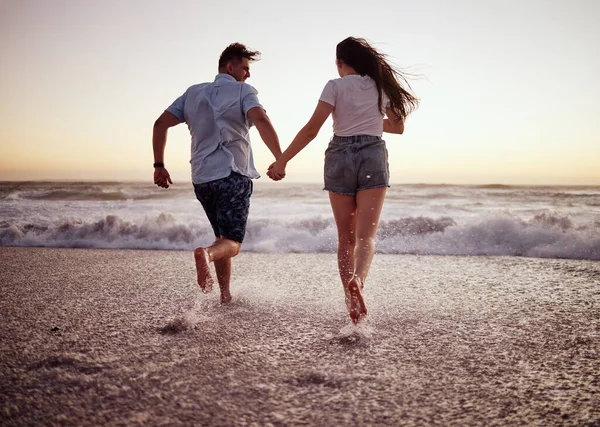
306, 135
393, 124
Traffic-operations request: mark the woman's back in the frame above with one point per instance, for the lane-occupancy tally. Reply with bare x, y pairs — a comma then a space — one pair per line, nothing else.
356, 105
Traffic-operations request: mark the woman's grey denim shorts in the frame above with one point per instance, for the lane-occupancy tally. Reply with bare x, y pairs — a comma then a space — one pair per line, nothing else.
355, 163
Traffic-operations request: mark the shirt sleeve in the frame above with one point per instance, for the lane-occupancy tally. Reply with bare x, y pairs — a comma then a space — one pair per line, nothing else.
329, 93
249, 99
385, 100
176, 108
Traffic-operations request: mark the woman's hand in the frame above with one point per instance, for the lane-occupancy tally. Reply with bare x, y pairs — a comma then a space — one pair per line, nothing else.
276, 171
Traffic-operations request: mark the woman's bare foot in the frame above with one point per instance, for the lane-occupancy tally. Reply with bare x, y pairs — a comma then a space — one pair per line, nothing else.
225, 299
205, 280
354, 300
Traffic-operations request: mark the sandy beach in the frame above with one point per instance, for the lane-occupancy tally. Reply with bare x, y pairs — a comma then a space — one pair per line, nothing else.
124, 337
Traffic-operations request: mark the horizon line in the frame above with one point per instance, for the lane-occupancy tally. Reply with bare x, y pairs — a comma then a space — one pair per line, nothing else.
414, 183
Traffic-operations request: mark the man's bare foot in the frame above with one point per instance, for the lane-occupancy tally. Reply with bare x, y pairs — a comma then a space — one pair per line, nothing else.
225, 299
205, 280
354, 300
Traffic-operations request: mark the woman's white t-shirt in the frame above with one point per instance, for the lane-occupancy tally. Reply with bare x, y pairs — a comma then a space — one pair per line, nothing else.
355, 105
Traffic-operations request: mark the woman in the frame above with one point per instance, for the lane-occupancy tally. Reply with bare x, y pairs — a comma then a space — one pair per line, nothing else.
356, 163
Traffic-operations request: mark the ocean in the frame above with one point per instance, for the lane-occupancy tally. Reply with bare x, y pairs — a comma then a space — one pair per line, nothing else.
525, 221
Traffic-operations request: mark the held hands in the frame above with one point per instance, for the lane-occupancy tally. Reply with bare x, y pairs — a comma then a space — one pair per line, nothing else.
276, 171
162, 177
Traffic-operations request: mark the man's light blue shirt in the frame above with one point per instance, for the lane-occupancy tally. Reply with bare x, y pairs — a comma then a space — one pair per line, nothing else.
216, 115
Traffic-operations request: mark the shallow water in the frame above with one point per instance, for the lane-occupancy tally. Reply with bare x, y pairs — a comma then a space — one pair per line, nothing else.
101, 337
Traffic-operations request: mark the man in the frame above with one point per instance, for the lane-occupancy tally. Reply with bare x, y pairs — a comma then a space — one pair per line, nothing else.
219, 115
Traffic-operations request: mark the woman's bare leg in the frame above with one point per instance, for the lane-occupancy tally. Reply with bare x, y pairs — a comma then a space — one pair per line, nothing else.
368, 209
344, 213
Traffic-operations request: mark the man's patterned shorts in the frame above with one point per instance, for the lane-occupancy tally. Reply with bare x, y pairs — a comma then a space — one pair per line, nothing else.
226, 202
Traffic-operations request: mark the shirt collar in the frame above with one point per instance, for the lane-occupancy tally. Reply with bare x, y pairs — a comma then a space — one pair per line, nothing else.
224, 76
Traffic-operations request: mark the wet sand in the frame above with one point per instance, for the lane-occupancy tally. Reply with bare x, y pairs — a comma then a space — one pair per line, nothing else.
115, 337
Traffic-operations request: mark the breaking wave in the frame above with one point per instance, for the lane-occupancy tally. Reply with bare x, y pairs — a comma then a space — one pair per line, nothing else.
544, 235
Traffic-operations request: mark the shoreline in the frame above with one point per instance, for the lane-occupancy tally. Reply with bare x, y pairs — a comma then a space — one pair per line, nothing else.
325, 253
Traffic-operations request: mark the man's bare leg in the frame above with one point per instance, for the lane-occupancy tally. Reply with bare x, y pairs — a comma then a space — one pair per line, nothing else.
205, 280
220, 252
223, 268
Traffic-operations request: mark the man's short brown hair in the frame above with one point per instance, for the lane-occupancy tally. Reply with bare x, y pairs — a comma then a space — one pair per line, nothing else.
235, 52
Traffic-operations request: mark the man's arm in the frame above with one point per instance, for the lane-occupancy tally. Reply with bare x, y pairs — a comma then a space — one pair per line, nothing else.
265, 129
159, 141
159, 134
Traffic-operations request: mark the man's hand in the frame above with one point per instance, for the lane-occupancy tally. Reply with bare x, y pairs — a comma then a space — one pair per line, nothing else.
159, 140
276, 171
162, 177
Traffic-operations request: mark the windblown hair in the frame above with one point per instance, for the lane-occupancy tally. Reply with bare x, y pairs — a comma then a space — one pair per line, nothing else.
235, 52
366, 60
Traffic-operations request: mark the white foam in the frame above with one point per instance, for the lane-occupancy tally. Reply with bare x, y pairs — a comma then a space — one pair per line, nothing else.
499, 235
450, 220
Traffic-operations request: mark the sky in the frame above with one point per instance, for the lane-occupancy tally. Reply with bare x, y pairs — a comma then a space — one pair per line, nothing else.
508, 89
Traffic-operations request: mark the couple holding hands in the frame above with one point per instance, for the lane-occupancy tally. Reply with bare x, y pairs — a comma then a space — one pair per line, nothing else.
369, 98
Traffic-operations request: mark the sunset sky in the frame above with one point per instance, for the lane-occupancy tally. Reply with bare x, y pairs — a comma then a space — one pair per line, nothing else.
509, 89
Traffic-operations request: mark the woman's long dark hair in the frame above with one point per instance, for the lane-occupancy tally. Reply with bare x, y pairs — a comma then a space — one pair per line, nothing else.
366, 60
